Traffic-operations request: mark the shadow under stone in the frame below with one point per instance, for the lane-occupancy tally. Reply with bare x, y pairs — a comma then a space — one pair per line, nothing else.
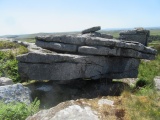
53, 92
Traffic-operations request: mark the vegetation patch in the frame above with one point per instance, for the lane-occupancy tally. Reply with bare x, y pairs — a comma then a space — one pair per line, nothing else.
149, 69
18, 111
8, 62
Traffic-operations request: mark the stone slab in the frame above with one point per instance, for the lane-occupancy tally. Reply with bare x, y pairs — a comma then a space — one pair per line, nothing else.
97, 41
68, 67
112, 51
61, 47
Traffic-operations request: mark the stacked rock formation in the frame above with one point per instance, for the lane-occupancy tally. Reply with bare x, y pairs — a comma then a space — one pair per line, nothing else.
90, 55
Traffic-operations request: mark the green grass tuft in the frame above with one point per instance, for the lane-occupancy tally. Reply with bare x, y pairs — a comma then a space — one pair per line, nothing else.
18, 111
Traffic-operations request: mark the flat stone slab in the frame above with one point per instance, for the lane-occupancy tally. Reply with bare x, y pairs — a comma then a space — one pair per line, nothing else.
92, 29
96, 46
55, 66
81, 40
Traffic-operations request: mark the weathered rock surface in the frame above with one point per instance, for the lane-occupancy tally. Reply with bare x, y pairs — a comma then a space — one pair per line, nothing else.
84, 109
69, 111
5, 81
15, 93
53, 66
92, 29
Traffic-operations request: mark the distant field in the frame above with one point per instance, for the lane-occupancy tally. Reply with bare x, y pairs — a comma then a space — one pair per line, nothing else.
155, 32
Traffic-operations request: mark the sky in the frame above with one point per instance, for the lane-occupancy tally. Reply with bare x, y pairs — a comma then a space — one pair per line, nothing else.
34, 16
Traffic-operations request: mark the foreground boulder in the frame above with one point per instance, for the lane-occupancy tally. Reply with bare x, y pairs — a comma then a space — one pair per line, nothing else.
84, 109
68, 57
15, 93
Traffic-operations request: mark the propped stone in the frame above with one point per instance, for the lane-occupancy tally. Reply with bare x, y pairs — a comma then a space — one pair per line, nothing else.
92, 29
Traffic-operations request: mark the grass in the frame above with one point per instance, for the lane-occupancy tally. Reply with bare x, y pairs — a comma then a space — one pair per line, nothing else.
149, 69
155, 32
18, 111
144, 102
145, 105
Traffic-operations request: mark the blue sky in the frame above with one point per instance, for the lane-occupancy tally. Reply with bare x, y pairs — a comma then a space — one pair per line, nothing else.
33, 16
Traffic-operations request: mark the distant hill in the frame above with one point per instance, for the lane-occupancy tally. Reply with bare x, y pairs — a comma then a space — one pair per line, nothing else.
112, 31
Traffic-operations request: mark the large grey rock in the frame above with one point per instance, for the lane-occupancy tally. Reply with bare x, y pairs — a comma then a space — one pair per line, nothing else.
53, 66
88, 56
15, 93
92, 29
5, 81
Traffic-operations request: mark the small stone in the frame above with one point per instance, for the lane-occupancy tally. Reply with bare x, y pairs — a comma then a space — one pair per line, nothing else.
102, 102
5, 81
157, 82
92, 29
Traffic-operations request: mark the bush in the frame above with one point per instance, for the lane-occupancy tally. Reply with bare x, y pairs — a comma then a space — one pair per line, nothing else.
18, 111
